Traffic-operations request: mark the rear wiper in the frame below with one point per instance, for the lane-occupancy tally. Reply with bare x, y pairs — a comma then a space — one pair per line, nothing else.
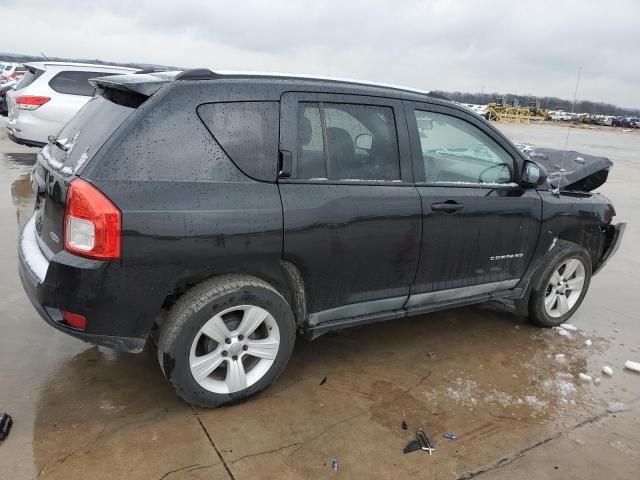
54, 141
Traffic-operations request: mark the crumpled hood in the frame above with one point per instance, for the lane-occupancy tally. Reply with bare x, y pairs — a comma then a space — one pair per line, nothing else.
569, 170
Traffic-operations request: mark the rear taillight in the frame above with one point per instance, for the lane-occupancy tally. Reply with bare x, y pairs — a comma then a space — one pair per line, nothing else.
30, 102
91, 223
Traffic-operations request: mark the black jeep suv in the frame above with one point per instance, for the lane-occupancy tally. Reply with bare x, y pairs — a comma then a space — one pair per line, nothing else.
226, 212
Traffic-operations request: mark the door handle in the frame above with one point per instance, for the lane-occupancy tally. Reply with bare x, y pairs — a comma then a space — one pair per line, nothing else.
285, 164
448, 207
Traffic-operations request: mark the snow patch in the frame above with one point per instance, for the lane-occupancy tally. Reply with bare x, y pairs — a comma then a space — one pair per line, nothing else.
463, 392
562, 332
568, 326
31, 251
535, 402
560, 358
615, 407
607, 370
585, 378
588, 342
635, 366
501, 398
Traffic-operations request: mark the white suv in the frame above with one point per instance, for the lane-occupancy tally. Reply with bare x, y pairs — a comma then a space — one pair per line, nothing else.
48, 96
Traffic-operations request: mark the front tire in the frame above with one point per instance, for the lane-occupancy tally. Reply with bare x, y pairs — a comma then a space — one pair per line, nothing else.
559, 288
225, 340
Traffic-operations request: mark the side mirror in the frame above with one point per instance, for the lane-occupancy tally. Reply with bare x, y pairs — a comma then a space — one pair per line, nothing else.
364, 141
533, 175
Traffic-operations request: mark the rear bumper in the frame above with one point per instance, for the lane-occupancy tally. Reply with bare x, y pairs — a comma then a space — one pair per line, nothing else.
78, 285
22, 141
27, 129
616, 231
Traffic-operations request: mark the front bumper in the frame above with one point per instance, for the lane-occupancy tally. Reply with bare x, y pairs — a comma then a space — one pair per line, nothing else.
60, 283
616, 232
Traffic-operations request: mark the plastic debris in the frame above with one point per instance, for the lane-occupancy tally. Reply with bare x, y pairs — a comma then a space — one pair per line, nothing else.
607, 370
588, 342
421, 442
568, 326
615, 407
635, 366
5, 425
334, 464
450, 436
425, 443
585, 378
412, 446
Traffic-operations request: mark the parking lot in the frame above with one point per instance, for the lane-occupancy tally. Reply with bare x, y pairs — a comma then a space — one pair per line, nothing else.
497, 383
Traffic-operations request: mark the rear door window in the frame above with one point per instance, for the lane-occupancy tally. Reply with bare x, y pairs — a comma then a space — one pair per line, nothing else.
341, 141
248, 132
311, 151
75, 83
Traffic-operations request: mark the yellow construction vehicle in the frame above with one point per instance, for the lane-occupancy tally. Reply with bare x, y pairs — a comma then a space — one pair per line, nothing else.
511, 111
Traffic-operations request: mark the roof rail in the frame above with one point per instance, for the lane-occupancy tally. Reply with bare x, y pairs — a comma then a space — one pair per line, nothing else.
198, 74
439, 96
206, 74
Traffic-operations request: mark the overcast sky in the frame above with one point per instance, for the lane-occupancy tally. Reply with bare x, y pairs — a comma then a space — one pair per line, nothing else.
505, 46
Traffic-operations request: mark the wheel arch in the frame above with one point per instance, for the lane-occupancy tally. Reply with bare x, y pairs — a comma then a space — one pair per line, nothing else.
284, 277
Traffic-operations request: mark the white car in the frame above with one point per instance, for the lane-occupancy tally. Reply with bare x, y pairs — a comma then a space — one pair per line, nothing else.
11, 71
48, 96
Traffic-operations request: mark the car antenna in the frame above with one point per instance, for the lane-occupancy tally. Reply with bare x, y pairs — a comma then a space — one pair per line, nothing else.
566, 140
44, 56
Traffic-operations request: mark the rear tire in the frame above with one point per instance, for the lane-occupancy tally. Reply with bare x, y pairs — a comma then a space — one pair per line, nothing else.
559, 287
226, 339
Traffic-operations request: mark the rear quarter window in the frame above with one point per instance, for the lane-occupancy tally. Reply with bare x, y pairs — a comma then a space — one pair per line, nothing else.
248, 132
75, 83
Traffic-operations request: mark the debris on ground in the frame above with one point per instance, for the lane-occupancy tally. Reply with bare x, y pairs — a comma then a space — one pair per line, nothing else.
568, 326
412, 446
585, 378
421, 442
425, 443
450, 436
334, 464
5, 425
432, 355
323, 381
588, 342
404, 421
607, 370
615, 407
635, 366
596, 380
562, 332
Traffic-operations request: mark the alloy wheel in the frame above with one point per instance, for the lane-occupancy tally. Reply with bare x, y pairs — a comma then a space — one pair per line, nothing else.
234, 349
564, 288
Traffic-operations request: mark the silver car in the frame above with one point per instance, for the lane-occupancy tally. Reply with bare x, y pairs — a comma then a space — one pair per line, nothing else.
48, 96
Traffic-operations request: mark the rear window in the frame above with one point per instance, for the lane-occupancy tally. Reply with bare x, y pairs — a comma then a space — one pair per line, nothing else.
248, 133
75, 83
85, 134
28, 78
